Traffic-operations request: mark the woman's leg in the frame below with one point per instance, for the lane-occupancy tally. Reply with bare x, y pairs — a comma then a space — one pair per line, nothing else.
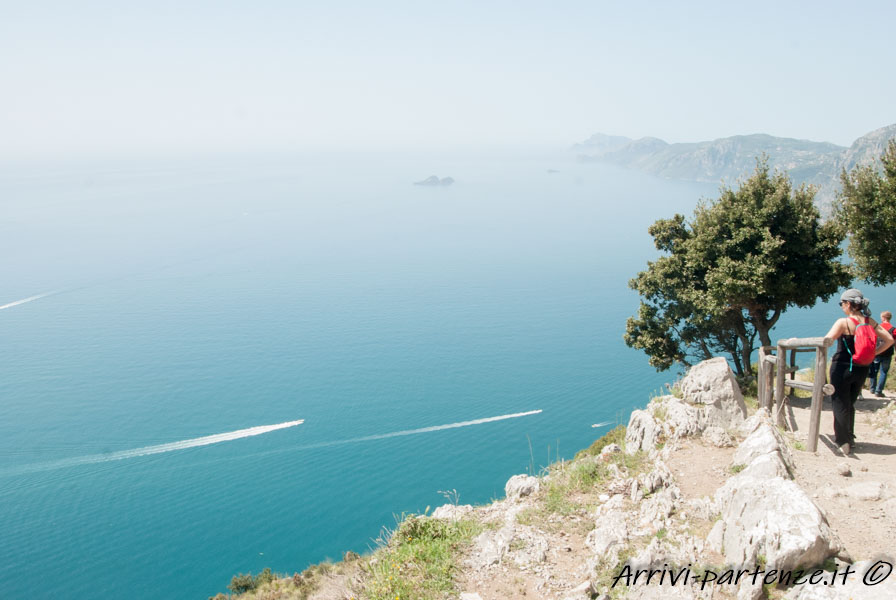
858, 378
841, 402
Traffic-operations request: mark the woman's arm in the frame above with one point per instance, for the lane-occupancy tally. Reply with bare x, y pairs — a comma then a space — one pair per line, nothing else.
836, 330
883, 334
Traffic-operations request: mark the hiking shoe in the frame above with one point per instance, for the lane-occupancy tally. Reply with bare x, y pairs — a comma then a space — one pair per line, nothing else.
879, 394
846, 448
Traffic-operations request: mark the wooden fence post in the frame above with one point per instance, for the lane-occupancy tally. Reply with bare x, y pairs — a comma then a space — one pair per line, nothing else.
781, 368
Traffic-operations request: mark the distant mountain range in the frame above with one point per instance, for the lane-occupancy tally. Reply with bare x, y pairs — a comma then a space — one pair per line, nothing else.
729, 159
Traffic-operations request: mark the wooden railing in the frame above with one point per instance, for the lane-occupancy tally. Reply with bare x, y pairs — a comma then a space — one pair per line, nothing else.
775, 375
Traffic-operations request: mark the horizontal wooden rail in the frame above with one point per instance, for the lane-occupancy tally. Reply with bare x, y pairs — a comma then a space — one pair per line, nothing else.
827, 388
795, 343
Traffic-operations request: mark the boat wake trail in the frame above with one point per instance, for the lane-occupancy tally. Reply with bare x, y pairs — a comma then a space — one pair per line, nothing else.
603, 424
383, 436
28, 299
147, 450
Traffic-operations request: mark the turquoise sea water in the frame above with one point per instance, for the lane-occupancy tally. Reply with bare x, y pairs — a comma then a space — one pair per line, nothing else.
187, 299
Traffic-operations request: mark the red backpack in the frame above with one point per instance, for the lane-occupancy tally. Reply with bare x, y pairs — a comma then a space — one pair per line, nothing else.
865, 343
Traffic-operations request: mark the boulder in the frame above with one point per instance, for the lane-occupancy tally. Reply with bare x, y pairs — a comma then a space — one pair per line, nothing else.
853, 589
520, 486
712, 387
765, 439
773, 518
766, 466
610, 533
866, 490
641, 433
489, 547
583, 591
752, 422
452, 511
718, 437
533, 550
675, 418
608, 450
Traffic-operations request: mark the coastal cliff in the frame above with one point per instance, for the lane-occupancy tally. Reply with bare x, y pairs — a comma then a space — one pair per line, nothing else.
805, 161
708, 498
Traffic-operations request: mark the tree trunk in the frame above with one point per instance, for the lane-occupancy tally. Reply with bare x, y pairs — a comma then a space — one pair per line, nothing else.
745, 345
746, 349
738, 365
763, 325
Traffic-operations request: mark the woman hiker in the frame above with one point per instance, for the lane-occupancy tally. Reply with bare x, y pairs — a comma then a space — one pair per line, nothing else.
848, 377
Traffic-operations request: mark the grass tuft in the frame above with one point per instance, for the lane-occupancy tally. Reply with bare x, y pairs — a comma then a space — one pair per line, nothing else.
614, 436
418, 561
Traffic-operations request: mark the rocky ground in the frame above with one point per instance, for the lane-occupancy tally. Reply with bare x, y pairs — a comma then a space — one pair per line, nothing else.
697, 486
712, 492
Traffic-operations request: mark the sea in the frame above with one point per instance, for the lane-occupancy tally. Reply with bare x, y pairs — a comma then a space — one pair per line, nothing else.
213, 365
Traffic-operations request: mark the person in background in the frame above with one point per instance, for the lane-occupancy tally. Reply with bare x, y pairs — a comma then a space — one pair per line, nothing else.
847, 377
881, 365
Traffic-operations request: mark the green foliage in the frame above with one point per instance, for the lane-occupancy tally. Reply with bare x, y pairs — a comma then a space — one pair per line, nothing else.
557, 498
614, 436
866, 210
242, 583
604, 572
419, 561
727, 274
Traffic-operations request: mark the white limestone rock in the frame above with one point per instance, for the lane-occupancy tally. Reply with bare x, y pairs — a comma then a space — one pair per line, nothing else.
752, 422
489, 547
717, 437
655, 511
609, 534
520, 486
583, 591
608, 450
641, 433
711, 385
853, 589
765, 439
766, 466
451, 512
774, 518
865, 490
675, 418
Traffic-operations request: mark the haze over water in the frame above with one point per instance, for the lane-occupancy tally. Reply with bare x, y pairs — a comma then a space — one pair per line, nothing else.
171, 302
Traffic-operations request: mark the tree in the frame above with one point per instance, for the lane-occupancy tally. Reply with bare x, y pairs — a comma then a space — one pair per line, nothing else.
867, 211
728, 274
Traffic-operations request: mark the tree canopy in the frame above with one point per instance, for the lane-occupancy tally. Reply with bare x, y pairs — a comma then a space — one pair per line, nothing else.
728, 273
867, 211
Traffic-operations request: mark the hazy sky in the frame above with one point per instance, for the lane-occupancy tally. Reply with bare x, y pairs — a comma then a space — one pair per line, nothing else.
112, 77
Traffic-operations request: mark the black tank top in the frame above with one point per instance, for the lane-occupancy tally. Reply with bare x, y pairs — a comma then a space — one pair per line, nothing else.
846, 345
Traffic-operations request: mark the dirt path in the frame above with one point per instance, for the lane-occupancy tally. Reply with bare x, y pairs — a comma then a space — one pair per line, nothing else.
861, 506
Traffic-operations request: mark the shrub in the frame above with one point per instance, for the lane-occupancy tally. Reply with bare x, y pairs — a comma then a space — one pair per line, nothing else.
614, 436
242, 583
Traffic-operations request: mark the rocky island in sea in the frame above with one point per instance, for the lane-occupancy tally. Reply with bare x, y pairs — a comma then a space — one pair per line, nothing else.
434, 180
